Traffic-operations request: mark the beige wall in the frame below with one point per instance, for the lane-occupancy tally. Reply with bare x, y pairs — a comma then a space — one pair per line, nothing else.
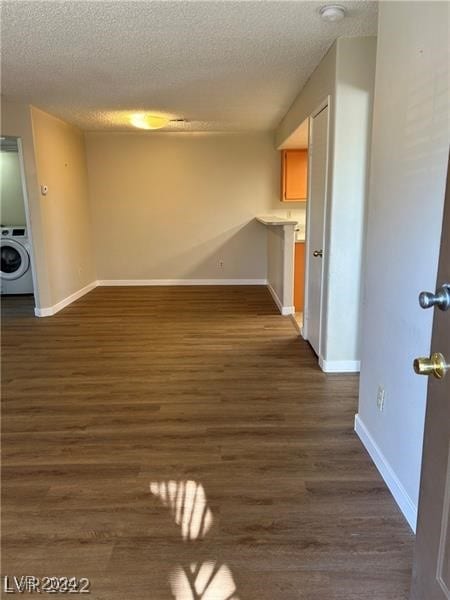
61, 165
12, 208
174, 206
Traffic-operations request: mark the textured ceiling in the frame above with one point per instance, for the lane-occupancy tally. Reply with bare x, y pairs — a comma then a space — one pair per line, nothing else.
224, 66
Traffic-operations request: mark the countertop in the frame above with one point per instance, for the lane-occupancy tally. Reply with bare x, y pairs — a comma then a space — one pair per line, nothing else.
272, 220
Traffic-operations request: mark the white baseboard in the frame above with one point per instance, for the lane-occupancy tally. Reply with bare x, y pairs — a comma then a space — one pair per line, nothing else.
52, 310
339, 366
401, 496
284, 310
163, 282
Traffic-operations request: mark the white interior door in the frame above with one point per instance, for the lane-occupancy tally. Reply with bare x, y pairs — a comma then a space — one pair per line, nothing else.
318, 150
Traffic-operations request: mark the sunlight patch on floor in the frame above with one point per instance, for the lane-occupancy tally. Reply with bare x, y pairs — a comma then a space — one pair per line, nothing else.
208, 581
187, 503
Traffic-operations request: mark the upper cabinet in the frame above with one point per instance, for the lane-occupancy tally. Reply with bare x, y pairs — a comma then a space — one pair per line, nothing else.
294, 174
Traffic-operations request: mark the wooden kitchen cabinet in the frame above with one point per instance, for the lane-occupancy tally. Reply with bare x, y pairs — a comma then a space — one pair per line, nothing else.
294, 175
299, 276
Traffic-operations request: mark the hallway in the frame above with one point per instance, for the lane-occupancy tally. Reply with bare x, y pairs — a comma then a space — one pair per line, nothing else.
163, 440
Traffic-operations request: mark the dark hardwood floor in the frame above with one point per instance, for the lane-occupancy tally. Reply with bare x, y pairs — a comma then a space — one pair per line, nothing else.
183, 443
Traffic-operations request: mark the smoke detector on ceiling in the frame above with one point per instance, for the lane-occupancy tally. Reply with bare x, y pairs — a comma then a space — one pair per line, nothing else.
332, 12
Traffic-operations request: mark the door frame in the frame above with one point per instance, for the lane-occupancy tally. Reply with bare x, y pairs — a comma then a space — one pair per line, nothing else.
324, 104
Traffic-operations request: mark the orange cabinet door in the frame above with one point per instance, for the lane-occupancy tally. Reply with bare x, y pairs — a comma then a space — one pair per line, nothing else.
299, 276
294, 175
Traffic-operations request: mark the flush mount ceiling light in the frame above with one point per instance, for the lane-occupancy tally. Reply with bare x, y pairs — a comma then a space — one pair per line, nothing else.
332, 12
146, 121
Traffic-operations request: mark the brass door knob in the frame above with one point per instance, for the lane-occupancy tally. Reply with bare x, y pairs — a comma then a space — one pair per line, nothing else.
436, 365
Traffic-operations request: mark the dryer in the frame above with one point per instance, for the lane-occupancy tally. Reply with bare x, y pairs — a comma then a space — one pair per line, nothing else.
15, 273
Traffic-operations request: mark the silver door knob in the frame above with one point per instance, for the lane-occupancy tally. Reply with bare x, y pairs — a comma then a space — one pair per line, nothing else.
441, 298
317, 253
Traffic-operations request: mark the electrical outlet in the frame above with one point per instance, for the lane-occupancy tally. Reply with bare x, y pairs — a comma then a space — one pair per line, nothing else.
220, 263
289, 214
381, 394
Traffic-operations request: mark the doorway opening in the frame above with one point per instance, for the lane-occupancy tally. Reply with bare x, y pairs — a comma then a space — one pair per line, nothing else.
17, 277
295, 188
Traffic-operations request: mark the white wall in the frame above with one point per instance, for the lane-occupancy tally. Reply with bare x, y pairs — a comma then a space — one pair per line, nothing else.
346, 74
280, 265
355, 77
409, 160
12, 208
173, 206
275, 261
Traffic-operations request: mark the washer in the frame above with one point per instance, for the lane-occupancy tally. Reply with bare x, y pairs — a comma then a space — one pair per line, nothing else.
15, 273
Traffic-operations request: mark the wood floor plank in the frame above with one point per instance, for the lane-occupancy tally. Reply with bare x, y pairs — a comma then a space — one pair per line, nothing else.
208, 394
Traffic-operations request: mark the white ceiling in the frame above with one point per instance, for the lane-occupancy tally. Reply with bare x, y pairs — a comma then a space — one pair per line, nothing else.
223, 65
